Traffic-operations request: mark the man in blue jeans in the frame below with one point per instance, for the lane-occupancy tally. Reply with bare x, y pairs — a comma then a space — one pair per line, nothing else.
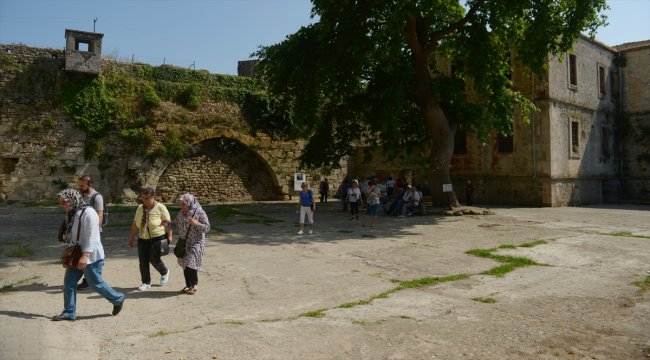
83, 227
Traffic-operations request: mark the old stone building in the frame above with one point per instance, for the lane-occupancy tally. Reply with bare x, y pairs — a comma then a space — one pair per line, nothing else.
588, 144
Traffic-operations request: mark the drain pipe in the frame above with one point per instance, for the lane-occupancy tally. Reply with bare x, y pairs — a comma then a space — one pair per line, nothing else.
532, 98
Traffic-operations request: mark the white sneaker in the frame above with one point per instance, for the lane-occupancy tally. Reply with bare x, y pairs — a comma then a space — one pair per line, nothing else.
165, 278
144, 287
311, 232
300, 232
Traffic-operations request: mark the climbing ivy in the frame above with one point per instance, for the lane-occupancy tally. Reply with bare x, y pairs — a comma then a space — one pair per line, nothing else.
89, 104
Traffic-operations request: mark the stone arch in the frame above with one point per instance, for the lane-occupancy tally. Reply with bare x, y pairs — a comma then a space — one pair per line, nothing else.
224, 166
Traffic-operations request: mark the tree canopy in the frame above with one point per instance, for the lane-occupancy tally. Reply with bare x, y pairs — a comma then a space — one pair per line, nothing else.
369, 70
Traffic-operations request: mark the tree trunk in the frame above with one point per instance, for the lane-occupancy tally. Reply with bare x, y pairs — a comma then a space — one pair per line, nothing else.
442, 133
442, 138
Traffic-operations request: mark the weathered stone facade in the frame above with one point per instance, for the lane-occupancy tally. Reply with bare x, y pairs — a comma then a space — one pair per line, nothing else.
41, 151
635, 107
570, 151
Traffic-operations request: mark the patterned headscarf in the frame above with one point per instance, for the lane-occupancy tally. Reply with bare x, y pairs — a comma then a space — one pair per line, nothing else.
76, 201
73, 198
190, 200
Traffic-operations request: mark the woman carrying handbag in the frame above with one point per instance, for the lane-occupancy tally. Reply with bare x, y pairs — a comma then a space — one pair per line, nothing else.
192, 223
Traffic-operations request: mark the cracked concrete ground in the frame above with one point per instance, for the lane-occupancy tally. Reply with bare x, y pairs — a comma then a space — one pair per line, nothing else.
260, 277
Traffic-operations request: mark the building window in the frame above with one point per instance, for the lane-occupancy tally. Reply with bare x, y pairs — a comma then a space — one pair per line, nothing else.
574, 151
573, 71
604, 143
614, 85
505, 143
460, 142
83, 45
602, 79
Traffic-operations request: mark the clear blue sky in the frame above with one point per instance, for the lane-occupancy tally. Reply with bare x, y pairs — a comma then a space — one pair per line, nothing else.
214, 33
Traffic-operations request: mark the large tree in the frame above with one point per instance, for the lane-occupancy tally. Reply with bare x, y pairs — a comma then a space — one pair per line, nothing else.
367, 72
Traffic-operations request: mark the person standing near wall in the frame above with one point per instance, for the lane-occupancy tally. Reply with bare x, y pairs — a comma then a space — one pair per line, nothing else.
306, 207
84, 226
93, 198
324, 189
354, 198
147, 224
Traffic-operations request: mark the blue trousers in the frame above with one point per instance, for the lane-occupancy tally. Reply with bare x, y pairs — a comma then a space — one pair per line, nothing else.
93, 274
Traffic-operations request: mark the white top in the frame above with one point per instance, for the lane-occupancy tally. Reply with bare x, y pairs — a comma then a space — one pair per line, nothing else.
89, 239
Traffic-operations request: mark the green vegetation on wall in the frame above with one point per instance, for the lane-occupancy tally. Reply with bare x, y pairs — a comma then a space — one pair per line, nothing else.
87, 101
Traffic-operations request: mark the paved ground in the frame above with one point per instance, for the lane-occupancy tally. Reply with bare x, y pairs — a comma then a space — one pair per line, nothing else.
267, 293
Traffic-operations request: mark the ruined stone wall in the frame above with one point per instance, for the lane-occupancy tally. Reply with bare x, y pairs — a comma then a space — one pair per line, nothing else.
41, 150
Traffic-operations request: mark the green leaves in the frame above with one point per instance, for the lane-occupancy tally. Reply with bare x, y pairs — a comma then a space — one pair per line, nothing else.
87, 101
352, 77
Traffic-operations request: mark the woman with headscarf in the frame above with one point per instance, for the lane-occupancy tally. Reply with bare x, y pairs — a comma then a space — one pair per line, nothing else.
191, 223
83, 226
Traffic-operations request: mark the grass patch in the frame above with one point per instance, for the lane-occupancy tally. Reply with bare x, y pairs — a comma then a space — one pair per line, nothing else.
626, 234
643, 284
487, 300
235, 322
21, 251
270, 320
12, 286
354, 303
533, 243
158, 333
428, 281
507, 246
484, 253
510, 263
248, 218
314, 314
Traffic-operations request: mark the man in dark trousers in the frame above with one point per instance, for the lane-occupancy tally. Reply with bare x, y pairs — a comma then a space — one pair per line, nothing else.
324, 190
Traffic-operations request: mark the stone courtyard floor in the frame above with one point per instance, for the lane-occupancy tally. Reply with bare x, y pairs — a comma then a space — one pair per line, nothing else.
408, 288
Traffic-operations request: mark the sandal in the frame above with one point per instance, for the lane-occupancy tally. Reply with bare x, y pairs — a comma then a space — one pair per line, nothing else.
184, 290
191, 291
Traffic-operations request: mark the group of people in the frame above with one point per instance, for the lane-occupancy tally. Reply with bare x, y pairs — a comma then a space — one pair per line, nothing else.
153, 226
391, 197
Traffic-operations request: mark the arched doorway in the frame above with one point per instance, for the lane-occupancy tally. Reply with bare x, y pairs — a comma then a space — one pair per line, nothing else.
220, 169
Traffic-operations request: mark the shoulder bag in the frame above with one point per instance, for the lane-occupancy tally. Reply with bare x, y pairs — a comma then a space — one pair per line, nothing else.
72, 254
179, 249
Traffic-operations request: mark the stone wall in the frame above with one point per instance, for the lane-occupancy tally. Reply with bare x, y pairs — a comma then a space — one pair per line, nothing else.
220, 170
41, 150
636, 107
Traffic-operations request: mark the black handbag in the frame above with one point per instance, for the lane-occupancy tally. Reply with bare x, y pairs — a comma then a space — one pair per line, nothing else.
72, 254
164, 248
179, 249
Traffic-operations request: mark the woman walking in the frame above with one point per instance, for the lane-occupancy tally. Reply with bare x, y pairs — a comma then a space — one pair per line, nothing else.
83, 229
147, 224
191, 223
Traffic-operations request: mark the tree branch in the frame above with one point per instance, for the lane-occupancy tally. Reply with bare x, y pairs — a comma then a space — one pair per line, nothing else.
451, 28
